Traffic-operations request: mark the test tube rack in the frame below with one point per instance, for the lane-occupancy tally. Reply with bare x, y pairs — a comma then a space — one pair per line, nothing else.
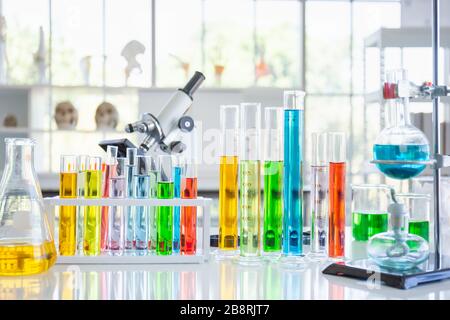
438, 265
203, 222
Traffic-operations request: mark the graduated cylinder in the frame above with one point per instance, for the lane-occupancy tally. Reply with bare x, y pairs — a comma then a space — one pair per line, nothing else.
228, 191
293, 184
273, 179
250, 180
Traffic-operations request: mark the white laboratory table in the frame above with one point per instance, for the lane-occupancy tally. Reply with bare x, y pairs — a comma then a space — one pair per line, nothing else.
212, 280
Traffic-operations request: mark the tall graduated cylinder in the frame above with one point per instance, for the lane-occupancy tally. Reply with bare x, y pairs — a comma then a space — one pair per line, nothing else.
293, 184
250, 180
273, 180
337, 165
319, 196
228, 191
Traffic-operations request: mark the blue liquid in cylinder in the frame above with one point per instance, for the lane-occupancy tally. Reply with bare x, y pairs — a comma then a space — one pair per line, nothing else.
292, 218
142, 183
176, 210
413, 152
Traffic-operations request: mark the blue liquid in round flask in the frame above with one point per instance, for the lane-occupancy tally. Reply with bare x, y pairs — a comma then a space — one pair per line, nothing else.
400, 140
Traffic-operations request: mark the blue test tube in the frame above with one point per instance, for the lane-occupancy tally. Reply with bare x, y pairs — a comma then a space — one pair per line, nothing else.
293, 184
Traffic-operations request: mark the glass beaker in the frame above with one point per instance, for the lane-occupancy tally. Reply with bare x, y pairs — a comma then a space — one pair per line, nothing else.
26, 241
369, 210
400, 140
419, 208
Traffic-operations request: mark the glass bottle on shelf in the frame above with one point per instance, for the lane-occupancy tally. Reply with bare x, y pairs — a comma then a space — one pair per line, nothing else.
397, 249
26, 240
400, 140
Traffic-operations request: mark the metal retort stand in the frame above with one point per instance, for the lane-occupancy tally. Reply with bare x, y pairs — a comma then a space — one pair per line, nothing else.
438, 265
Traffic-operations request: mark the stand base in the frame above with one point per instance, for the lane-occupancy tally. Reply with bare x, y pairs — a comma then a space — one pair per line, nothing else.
365, 269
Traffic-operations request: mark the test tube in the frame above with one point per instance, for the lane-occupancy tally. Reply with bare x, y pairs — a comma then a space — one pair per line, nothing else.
319, 196
92, 216
110, 163
116, 232
68, 214
273, 180
153, 193
165, 213
250, 181
82, 162
142, 191
336, 180
293, 184
177, 173
228, 191
130, 240
189, 213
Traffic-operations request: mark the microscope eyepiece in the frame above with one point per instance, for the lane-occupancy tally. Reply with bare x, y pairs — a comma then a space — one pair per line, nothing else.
193, 83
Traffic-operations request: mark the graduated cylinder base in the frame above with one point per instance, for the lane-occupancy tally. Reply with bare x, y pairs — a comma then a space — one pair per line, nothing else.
249, 260
298, 262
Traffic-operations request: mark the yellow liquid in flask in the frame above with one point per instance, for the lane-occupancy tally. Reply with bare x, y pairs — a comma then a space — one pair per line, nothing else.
25, 259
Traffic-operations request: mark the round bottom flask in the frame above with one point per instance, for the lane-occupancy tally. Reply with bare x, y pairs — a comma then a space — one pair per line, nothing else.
397, 249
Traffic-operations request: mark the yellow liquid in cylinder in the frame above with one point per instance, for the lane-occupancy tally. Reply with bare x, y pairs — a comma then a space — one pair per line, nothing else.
228, 203
92, 215
67, 215
25, 259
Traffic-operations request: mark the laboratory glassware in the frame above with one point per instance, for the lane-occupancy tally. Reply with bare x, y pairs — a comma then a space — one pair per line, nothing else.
400, 140
92, 214
419, 209
142, 191
110, 163
397, 249
273, 180
228, 191
82, 162
292, 175
165, 213
189, 213
369, 210
336, 194
67, 214
319, 196
131, 162
177, 174
26, 240
117, 185
153, 211
250, 182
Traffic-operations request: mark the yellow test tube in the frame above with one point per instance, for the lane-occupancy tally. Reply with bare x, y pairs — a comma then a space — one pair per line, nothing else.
92, 215
67, 214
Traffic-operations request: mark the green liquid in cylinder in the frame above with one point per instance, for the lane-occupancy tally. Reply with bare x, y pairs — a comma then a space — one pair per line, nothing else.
366, 225
420, 228
273, 214
250, 203
164, 220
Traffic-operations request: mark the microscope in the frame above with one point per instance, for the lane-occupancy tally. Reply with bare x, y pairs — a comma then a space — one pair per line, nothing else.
163, 132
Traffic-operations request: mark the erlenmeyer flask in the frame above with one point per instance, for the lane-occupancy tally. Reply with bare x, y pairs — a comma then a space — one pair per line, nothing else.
400, 140
26, 242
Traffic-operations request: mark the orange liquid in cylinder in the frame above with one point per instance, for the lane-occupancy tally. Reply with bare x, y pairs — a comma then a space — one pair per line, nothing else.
25, 259
336, 240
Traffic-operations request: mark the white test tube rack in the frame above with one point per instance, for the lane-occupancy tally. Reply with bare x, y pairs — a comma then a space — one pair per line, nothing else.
53, 203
